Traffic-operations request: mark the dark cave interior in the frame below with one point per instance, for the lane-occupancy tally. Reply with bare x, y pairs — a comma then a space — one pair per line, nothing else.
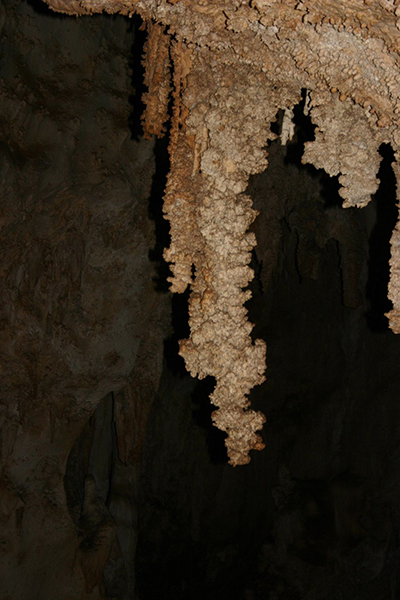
316, 514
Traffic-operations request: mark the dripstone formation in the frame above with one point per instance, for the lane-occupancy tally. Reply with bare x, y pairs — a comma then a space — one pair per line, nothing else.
233, 66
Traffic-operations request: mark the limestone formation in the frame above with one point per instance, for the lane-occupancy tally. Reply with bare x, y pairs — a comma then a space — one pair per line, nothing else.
235, 64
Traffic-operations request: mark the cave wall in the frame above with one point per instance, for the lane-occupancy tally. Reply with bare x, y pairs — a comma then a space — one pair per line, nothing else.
79, 310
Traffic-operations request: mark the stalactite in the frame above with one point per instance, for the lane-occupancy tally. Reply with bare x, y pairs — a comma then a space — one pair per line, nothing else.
234, 65
209, 222
156, 63
346, 144
180, 199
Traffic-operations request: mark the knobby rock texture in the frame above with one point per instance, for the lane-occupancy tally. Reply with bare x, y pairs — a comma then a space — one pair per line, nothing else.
235, 64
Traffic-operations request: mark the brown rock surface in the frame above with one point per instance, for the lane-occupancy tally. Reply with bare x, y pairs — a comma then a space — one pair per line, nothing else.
80, 317
77, 291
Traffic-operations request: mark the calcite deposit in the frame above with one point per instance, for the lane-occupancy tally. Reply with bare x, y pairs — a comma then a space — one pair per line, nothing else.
235, 64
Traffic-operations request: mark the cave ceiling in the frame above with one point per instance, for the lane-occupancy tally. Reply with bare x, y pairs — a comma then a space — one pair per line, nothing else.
229, 67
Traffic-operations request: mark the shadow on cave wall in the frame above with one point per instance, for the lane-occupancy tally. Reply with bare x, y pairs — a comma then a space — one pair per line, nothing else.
161, 225
380, 216
93, 460
161, 156
137, 77
386, 215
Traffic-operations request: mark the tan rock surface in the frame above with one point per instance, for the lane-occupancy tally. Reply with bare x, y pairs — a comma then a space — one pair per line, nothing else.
247, 60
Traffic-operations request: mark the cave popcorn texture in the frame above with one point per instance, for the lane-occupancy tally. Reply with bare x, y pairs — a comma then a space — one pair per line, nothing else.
220, 343
209, 219
235, 63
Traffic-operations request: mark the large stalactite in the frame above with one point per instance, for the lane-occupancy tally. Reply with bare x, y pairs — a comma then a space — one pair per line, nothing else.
97, 449
234, 65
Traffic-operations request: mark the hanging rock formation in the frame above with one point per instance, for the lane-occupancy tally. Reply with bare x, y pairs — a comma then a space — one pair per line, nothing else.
234, 65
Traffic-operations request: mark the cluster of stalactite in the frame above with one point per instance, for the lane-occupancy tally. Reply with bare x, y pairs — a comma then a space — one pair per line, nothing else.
210, 246
233, 65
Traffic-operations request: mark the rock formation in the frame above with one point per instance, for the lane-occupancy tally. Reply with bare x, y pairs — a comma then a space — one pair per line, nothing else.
83, 326
235, 64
